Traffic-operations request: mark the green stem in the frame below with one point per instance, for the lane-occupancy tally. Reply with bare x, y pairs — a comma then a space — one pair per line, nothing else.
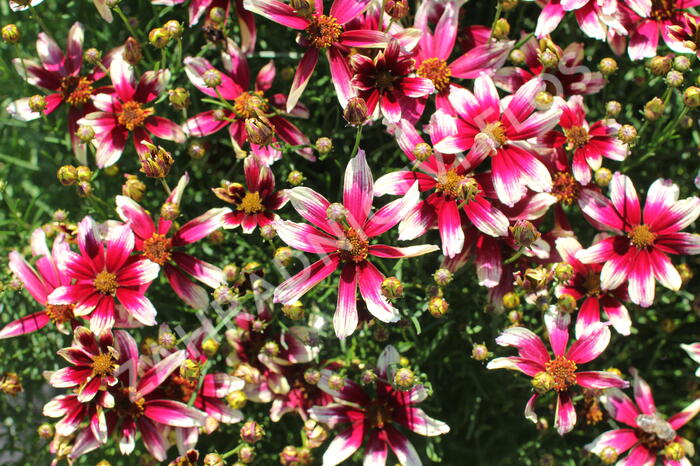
126, 22
515, 256
523, 40
39, 20
356, 147
499, 9
165, 186
232, 452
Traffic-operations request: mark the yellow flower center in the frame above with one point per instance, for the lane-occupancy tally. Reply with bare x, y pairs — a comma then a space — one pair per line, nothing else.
565, 188
76, 90
250, 104
251, 203
125, 406
103, 364
641, 236
59, 313
448, 183
437, 71
323, 31
496, 132
133, 115
157, 248
562, 371
592, 284
576, 136
105, 282
662, 10
353, 247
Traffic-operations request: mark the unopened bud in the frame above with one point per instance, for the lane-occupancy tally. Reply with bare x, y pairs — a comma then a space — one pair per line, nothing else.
685, 272
37, 103
517, 57
548, 58
223, 295
158, 38
480, 352
674, 78
627, 133
613, 108
356, 111
691, 97
511, 300
566, 304
10, 34
397, 9
404, 378
213, 459
660, 65
524, 233
607, 66
608, 455
236, 399
196, 150
392, 288
654, 109
563, 272
442, 277
179, 98
294, 311
11, 384
259, 131
67, 175
324, 145
190, 369
45, 431
217, 15
542, 382
438, 307
295, 178
84, 173
167, 340
132, 51
92, 56
674, 451
85, 133
422, 151
270, 348
211, 78
133, 188
508, 5
336, 212
284, 256
544, 100
174, 28
681, 63
501, 29
336, 382
210, 347
267, 232
156, 162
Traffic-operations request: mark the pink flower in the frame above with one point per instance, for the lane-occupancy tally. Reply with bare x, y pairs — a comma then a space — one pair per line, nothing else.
559, 373
255, 205
344, 240
375, 417
593, 17
154, 243
638, 250
61, 75
384, 82
40, 282
653, 18
457, 196
94, 364
686, 32
589, 143
246, 104
567, 79
585, 285
125, 111
648, 434
106, 274
502, 135
322, 32
197, 8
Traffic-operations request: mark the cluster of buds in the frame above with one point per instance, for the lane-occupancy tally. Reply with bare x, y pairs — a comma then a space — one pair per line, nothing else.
80, 176
156, 162
295, 456
160, 37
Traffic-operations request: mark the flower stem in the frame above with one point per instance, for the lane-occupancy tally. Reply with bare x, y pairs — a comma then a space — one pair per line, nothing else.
39, 20
165, 186
358, 136
515, 256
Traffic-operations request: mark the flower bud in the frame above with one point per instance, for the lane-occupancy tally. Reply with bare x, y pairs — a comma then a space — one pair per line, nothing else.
438, 307
607, 66
132, 51
37, 103
566, 304
324, 145
210, 347
11, 384
217, 15
315, 433
158, 38
659, 66
442, 277
259, 131
223, 295
67, 175
10, 34
156, 162
608, 455
295, 178
392, 288
213, 459
236, 399
542, 382
336, 212
284, 256
517, 57
270, 348
246, 454
613, 108
524, 233
45, 431
548, 58
563, 272
92, 56
85, 133
368, 377
627, 133
508, 5
196, 150
84, 173
179, 98
674, 451
674, 78
336, 382
59, 215
511, 300
216, 237
133, 188
167, 340
501, 29
211, 78
685, 272
289, 456
687, 122
691, 96
404, 378
190, 369
544, 100
480, 352
267, 232
422, 151
174, 28
397, 9
312, 376
356, 111
515, 317
112, 170
681, 63
654, 109
294, 311
84, 189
